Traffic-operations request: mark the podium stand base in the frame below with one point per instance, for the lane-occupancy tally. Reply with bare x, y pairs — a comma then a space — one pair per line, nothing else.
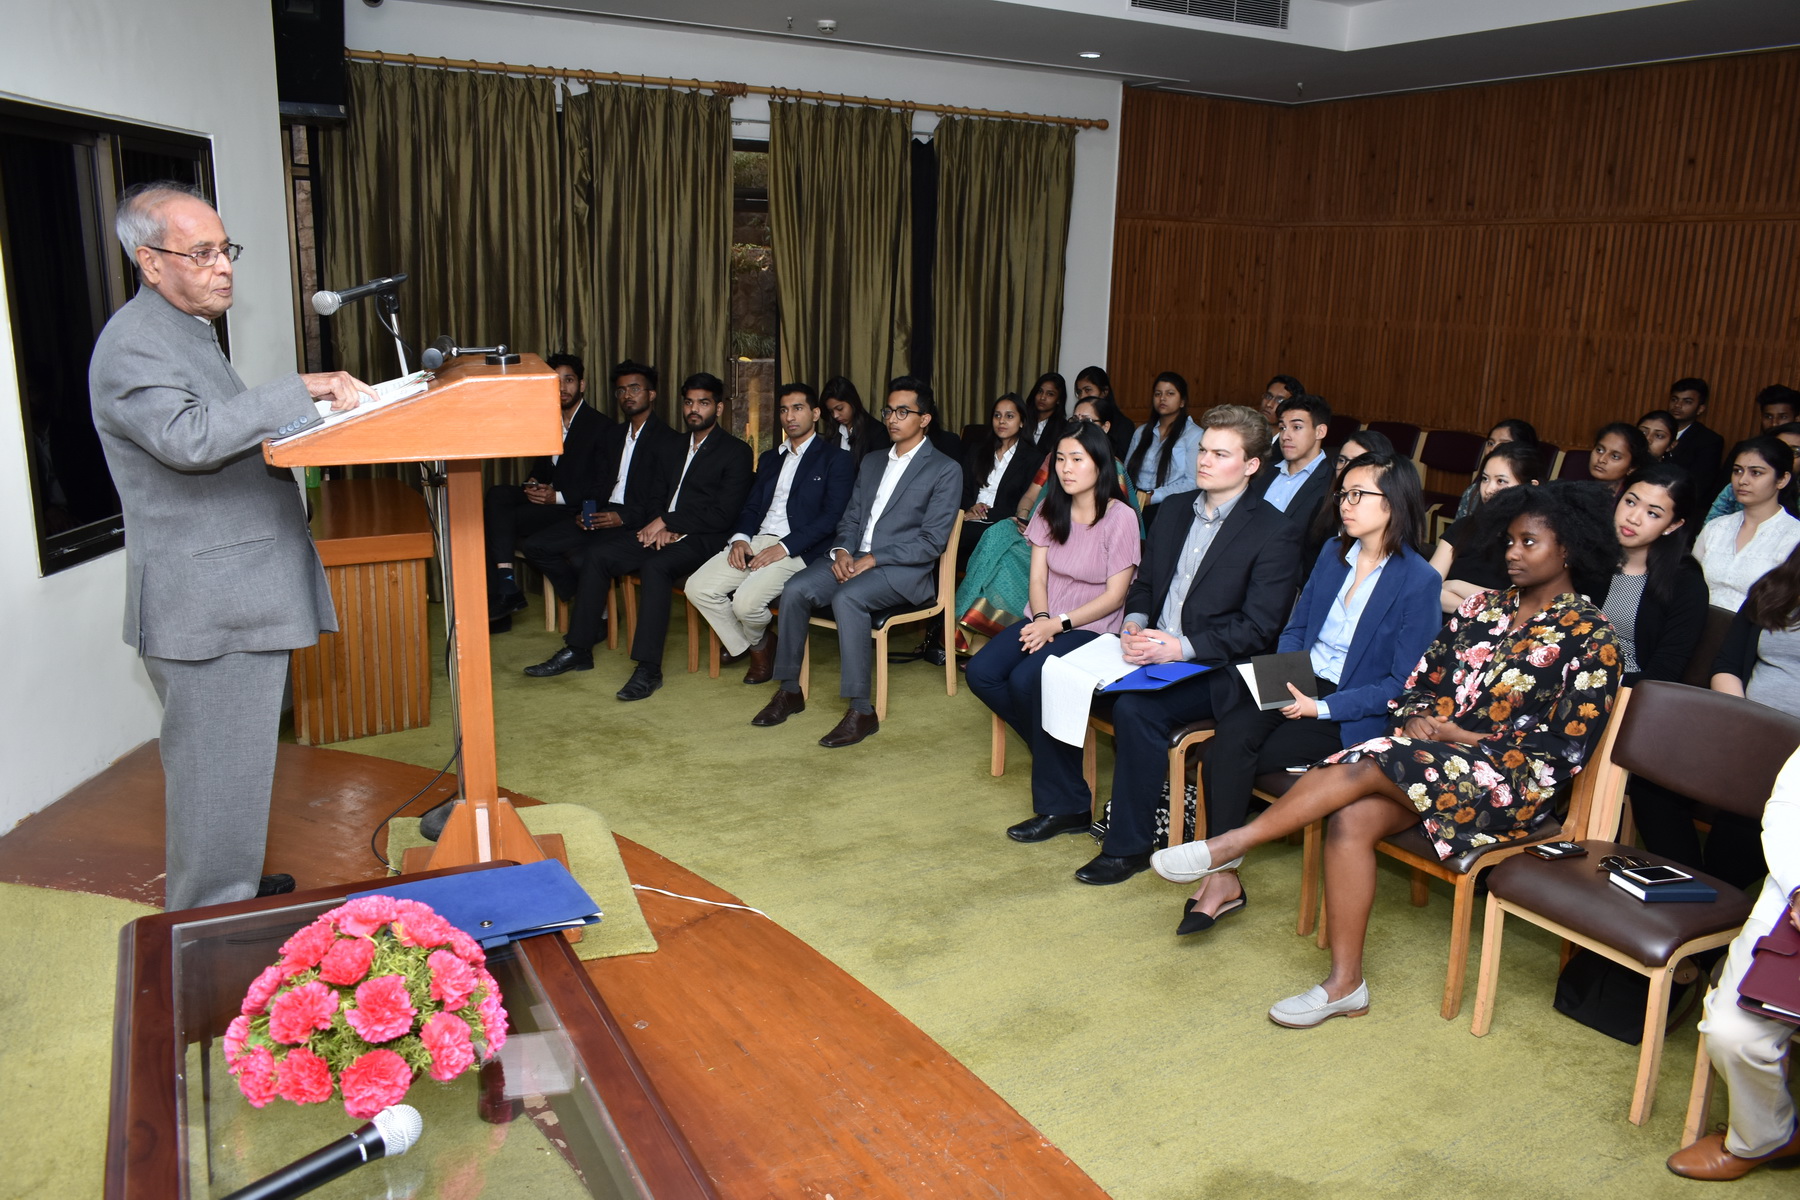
507, 838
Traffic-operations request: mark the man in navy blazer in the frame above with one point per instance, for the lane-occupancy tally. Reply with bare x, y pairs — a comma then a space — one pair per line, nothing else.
789, 519
888, 543
1218, 578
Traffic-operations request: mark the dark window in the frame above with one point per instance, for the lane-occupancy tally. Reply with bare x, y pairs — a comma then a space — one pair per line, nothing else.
60, 174
755, 317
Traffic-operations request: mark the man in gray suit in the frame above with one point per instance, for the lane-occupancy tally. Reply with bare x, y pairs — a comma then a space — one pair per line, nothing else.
222, 576
899, 520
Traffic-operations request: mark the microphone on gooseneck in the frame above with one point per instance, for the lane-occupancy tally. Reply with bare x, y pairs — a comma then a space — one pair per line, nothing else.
392, 1133
325, 303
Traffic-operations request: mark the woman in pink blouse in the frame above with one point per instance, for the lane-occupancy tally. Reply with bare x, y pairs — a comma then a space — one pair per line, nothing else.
1084, 551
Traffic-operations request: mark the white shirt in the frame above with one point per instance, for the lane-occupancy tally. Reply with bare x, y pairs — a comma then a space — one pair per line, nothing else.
890, 479
631, 439
991, 488
775, 521
1730, 571
844, 436
693, 449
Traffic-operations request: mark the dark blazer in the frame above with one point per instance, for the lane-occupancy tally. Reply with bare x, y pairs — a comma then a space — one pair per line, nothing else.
865, 441
1700, 450
815, 501
713, 491
1305, 504
1013, 481
1400, 620
1245, 585
581, 448
1666, 632
1120, 435
647, 484
915, 526
1053, 433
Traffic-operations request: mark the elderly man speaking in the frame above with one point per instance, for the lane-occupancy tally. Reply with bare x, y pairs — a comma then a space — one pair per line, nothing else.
222, 576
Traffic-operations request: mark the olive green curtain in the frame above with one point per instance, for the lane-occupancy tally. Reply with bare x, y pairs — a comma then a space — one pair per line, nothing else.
1003, 221
648, 199
840, 220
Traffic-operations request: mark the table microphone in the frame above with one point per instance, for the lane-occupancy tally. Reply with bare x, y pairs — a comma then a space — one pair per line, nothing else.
392, 1133
326, 302
435, 354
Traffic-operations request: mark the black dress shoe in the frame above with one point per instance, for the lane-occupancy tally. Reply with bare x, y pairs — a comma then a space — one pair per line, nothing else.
506, 604
782, 705
1199, 922
566, 659
852, 729
762, 659
1045, 826
643, 681
1113, 868
502, 625
274, 885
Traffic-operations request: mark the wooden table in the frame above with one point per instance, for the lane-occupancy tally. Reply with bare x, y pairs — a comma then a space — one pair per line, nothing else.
374, 674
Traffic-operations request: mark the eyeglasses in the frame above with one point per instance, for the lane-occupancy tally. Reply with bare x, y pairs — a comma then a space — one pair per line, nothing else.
636, 389
206, 256
1620, 862
1355, 496
902, 411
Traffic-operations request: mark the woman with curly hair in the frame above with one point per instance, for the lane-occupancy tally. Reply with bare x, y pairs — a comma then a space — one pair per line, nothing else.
1505, 707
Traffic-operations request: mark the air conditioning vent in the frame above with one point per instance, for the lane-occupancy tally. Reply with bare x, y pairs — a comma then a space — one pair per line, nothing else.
1270, 13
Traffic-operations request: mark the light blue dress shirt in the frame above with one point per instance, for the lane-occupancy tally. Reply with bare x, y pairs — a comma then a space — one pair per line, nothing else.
1284, 487
1333, 647
1182, 461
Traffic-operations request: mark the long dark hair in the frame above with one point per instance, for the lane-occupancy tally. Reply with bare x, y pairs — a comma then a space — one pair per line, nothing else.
1057, 502
1663, 417
1773, 602
1635, 441
839, 387
1667, 552
1777, 454
1136, 462
989, 447
1397, 479
1327, 523
1059, 415
1525, 458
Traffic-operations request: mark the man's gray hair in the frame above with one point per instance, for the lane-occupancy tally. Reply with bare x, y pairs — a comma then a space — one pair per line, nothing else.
139, 221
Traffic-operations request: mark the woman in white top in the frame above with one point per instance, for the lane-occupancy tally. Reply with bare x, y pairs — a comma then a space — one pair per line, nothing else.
1737, 550
996, 471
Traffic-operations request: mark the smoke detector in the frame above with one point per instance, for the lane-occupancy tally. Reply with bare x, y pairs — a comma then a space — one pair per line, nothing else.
827, 26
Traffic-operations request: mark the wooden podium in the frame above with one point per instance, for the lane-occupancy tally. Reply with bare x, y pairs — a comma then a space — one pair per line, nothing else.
471, 412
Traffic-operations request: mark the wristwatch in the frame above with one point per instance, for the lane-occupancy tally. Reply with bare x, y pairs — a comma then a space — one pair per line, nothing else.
1066, 623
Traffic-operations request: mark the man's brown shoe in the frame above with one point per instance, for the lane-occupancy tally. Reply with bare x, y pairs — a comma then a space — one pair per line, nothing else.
762, 659
782, 705
1709, 1159
852, 729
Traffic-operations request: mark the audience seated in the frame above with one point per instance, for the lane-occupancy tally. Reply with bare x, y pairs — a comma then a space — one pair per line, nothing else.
1219, 575
1049, 413
1366, 614
1749, 1050
1299, 481
996, 472
1507, 704
629, 487
1084, 551
1510, 430
1657, 599
1726, 503
1620, 450
1696, 448
1738, 549
788, 520
1278, 389
1327, 522
1095, 384
849, 425
898, 522
1658, 428
1471, 563
1163, 449
515, 511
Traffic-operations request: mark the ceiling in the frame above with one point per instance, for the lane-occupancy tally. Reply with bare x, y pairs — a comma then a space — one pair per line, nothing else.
1331, 49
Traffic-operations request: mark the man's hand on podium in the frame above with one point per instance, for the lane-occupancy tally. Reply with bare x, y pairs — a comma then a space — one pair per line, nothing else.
344, 389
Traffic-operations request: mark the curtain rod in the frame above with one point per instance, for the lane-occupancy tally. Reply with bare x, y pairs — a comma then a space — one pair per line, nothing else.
723, 87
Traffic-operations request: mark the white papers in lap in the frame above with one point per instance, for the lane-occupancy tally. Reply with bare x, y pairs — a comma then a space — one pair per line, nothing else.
1068, 683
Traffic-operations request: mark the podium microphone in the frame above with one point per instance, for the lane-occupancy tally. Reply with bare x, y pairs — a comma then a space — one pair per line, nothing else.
435, 354
392, 1133
326, 303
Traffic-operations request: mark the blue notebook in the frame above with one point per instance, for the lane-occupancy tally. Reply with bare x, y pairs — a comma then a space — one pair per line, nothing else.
503, 904
1682, 891
1155, 677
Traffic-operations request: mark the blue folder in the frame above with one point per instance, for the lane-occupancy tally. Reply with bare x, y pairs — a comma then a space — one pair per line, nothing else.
1155, 677
505, 903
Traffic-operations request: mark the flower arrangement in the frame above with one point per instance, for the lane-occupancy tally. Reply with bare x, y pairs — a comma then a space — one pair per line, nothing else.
364, 999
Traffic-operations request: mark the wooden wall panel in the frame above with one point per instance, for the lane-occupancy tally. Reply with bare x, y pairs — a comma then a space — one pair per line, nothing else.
1558, 249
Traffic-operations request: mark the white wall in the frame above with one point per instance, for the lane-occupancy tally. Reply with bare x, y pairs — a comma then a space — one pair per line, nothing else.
75, 696
561, 40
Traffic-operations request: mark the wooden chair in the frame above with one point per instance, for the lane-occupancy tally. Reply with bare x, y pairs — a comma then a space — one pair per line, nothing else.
631, 583
1461, 872
1700, 1094
1721, 750
943, 606
556, 613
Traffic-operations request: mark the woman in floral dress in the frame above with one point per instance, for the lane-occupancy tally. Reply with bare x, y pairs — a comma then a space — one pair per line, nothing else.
1502, 711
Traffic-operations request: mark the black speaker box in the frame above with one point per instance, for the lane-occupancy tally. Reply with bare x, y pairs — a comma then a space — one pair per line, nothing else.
309, 56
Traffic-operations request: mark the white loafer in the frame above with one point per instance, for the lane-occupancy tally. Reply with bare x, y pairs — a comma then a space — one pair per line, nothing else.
1188, 862
1311, 1007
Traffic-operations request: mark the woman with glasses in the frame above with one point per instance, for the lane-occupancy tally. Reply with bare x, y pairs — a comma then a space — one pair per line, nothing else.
1505, 707
1468, 564
848, 423
1365, 616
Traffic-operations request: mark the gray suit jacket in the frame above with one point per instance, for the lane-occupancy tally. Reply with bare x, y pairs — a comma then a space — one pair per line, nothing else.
217, 552
915, 526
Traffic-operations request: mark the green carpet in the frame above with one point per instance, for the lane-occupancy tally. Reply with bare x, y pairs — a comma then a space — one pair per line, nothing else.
1148, 1060
593, 860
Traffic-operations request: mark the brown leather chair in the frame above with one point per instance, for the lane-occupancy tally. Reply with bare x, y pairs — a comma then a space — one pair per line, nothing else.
1721, 750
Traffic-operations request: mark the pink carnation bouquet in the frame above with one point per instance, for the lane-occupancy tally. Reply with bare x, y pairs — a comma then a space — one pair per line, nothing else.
364, 999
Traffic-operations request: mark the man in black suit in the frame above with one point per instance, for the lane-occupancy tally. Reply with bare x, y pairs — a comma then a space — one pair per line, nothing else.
516, 511
1696, 447
628, 488
801, 488
1219, 574
888, 544
1302, 478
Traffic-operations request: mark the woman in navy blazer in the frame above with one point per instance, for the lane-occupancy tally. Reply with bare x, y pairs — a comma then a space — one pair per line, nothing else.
1370, 642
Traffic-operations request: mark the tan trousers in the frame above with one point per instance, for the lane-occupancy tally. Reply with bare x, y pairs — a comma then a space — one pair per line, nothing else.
1750, 1053
736, 603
